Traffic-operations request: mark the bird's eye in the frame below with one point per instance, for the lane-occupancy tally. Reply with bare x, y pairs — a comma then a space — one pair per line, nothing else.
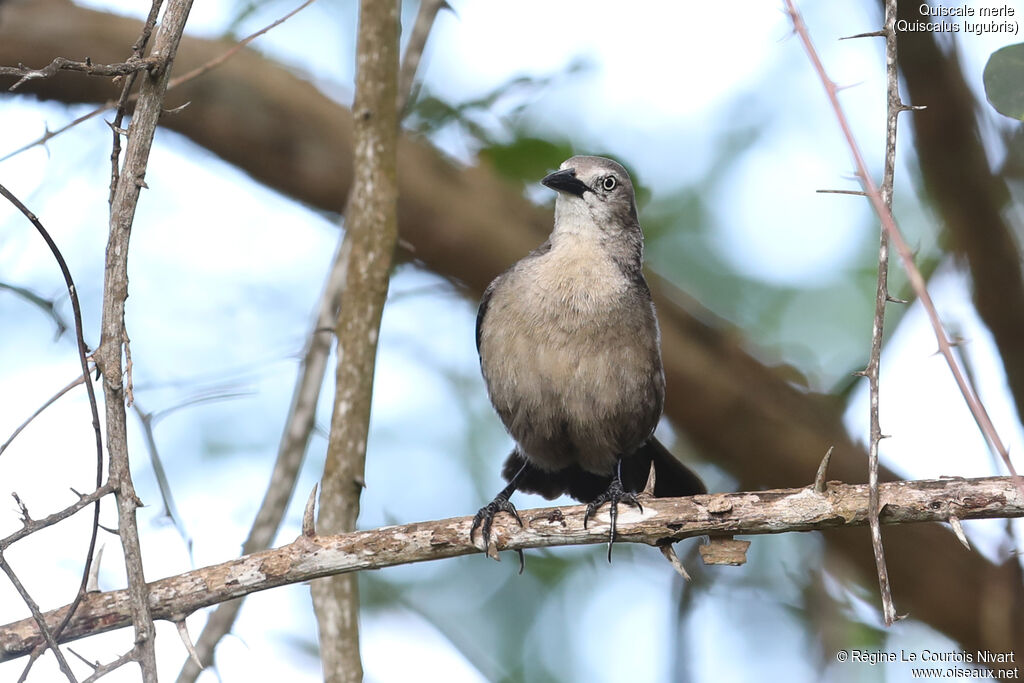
609, 183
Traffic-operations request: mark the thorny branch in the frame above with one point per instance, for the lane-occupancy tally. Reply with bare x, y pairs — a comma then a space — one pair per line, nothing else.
893, 109
134, 64
757, 512
916, 279
125, 189
175, 82
31, 526
37, 617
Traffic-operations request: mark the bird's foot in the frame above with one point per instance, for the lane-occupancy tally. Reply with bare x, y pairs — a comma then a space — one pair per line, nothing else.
613, 496
484, 518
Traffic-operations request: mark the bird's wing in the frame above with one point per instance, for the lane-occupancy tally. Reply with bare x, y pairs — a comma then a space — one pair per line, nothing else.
482, 310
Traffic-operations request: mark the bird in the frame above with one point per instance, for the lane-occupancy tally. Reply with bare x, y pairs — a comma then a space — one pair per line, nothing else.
570, 352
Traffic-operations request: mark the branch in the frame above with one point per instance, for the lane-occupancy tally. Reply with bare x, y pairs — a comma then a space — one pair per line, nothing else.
758, 512
301, 416
414, 50
37, 617
30, 526
371, 227
93, 407
976, 206
125, 192
906, 255
133, 65
882, 298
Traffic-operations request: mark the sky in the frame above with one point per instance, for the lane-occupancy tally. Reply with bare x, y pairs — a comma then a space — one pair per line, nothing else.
661, 77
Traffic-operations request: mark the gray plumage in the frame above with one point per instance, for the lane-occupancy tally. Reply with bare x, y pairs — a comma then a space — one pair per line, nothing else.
570, 351
568, 341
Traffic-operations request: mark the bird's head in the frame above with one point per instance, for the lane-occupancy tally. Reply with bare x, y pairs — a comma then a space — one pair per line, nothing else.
593, 192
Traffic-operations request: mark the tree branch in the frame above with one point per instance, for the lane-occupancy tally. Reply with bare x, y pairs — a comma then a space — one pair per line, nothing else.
63, 64
973, 201
893, 109
371, 228
302, 412
757, 512
124, 200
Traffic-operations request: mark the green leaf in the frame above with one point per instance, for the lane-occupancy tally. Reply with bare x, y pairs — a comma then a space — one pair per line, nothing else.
526, 159
1004, 81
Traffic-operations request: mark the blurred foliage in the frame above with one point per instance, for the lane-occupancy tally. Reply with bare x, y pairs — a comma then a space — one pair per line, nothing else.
1004, 81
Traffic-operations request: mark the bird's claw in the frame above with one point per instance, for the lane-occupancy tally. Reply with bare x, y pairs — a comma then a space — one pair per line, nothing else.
484, 518
613, 496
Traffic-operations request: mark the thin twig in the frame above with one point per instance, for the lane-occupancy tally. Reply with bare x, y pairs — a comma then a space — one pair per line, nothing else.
881, 299
905, 253
49, 402
103, 669
414, 50
47, 305
175, 82
133, 65
93, 405
228, 54
745, 513
37, 616
119, 109
33, 525
126, 187
163, 483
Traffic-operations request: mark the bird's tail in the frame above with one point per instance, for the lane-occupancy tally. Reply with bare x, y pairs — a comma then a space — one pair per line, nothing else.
671, 477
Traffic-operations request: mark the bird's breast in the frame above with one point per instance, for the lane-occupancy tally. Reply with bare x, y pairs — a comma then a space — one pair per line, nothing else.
567, 337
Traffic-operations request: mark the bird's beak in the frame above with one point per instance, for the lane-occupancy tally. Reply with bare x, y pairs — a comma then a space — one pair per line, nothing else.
565, 181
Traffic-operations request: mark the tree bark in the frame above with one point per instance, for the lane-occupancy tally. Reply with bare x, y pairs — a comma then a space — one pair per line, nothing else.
371, 231
756, 512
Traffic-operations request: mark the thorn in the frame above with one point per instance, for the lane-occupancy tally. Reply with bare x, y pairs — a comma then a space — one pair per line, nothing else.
92, 584
108, 529
119, 131
819, 478
893, 300
22, 508
856, 193
360, 482
910, 107
666, 549
94, 665
141, 183
74, 491
860, 373
308, 524
176, 110
871, 34
958, 529
187, 640
840, 88
651, 480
